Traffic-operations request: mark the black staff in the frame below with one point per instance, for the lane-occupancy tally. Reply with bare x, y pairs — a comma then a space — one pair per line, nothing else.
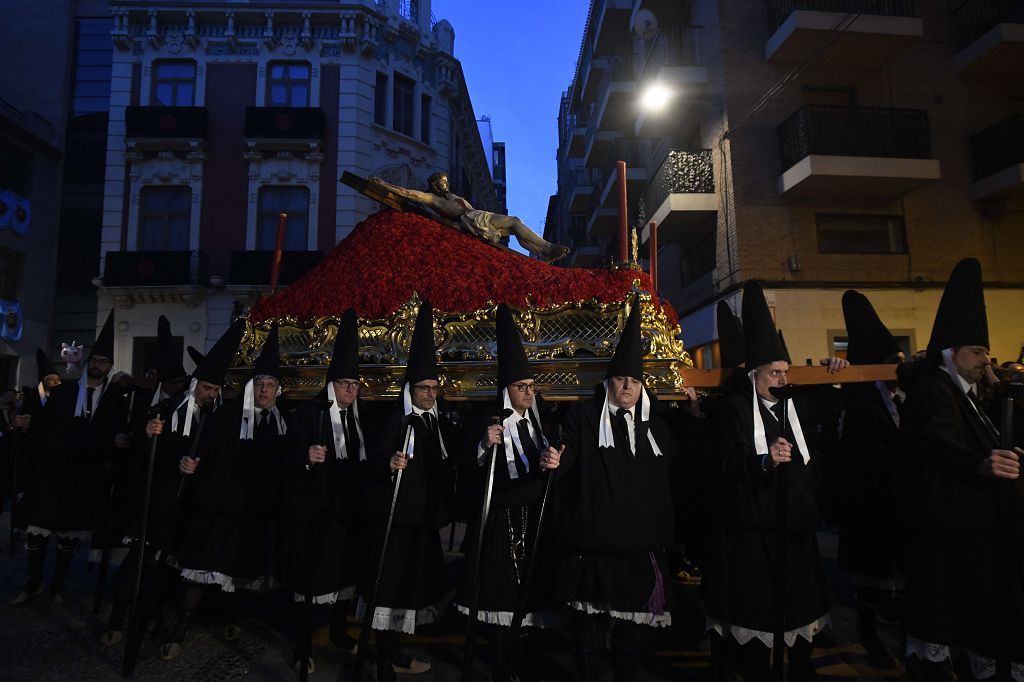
782, 393
1004, 659
371, 603
14, 483
474, 575
314, 543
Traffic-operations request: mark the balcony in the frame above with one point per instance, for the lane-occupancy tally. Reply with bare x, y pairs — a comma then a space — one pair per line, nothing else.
588, 256
579, 185
616, 95
249, 268
673, 61
883, 29
609, 24
165, 128
681, 194
573, 133
277, 128
998, 160
989, 35
855, 152
603, 221
596, 142
154, 269
630, 151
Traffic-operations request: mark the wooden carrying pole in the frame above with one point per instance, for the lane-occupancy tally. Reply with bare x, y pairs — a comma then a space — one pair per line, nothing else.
275, 271
800, 375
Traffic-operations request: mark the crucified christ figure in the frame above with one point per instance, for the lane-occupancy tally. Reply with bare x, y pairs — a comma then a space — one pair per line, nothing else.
483, 224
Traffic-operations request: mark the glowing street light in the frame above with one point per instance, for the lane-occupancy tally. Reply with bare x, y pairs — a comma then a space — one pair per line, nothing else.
656, 97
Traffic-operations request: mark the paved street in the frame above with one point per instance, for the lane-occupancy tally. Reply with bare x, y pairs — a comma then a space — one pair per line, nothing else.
45, 641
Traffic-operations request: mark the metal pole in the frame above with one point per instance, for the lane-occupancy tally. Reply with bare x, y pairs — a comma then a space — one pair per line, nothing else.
275, 271
620, 167
314, 544
1006, 549
652, 242
781, 529
131, 646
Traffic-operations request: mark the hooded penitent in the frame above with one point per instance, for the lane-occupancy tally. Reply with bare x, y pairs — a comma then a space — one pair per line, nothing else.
268, 364
513, 366
627, 362
168, 362
212, 369
422, 365
763, 347
730, 336
44, 368
103, 347
105, 340
345, 365
870, 342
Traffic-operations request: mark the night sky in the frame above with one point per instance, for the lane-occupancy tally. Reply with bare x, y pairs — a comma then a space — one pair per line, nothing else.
518, 57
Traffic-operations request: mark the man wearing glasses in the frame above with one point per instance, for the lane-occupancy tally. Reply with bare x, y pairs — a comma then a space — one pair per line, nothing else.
411, 586
71, 439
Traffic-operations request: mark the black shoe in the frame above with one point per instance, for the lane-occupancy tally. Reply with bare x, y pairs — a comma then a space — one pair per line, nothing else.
342, 640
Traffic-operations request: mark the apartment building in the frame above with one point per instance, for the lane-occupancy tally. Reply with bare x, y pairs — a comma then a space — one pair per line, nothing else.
814, 145
225, 113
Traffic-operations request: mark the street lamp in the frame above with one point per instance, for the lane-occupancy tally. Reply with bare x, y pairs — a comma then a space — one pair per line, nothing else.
655, 97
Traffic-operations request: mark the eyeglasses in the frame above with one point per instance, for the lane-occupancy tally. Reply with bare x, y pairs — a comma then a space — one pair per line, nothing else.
95, 360
428, 389
523, 388
346, 385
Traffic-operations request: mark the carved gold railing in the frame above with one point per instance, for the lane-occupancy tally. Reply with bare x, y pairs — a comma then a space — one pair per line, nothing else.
568, 345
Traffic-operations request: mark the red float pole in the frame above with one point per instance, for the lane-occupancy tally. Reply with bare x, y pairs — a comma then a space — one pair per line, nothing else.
275, 271
620, 167
652, 242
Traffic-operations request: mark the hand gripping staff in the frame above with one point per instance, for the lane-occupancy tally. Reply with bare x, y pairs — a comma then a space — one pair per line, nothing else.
371, 603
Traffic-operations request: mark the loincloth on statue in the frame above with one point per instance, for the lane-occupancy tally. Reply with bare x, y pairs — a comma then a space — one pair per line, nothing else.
479, 224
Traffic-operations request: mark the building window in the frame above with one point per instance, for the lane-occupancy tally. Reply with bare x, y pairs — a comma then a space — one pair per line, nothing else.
288, 84
174, 83
380, 100
402, 103
165, 220
291, 200
10, 270
839, 233
425, 119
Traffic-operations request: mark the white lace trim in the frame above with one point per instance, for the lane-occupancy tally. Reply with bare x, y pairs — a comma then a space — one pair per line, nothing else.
982, 667
329, 598
744, 635
62, 534
398, 620
551, 618
656, 620
226, 582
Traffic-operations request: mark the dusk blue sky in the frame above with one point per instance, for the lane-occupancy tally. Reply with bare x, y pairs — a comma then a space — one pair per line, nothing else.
518, 57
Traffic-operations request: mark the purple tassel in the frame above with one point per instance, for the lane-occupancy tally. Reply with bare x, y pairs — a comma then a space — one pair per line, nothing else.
656, 604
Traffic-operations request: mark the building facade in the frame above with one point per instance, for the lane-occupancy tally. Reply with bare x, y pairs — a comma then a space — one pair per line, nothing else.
814, 146
223, 114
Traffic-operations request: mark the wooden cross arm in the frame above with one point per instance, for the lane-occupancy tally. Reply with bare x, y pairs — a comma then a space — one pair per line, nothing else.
798, 374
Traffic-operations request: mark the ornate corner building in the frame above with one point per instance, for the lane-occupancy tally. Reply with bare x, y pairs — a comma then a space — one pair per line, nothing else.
223, 114
893, 147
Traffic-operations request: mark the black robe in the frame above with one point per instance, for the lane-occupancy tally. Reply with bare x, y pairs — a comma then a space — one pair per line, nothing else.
322, 525
738, 580
413, 570
67, 486
512, 502
869, 537
237, 487
965, 569
614, 514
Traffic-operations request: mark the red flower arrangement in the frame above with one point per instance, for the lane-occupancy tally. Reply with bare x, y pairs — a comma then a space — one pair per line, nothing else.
392, 254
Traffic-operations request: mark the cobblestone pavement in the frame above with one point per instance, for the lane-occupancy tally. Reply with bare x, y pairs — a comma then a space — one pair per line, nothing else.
42, 640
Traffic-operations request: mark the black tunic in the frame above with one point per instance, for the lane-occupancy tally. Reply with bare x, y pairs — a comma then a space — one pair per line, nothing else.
70, 455
411, 584
869, 538
614, 517
738, 581
237, 492
513, 501
965, 573
321, 522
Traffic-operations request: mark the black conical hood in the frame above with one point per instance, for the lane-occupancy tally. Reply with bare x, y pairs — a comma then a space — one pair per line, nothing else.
168, 362
268, 362
961, 319
785, 348
760, 340
345, 356
870, 342
105, 340
44, 367
513, 365
217, 362
628, 360
730, 336
422, 362
197, 357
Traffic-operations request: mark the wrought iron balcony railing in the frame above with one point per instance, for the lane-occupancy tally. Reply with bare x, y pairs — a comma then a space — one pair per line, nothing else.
581, 176
623, 149
166, 122
305, 123
779, 10
997, 147
855, 131
676, 46
973, 18
154, 268
254, 267
683, 171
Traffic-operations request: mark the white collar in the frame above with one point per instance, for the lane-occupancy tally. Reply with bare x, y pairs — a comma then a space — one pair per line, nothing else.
511, 439
248, 425
605, 436
761, 439
409, 408
338, 429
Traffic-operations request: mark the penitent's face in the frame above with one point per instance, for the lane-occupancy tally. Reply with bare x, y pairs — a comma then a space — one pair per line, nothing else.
424, 394
624, 391
767, 377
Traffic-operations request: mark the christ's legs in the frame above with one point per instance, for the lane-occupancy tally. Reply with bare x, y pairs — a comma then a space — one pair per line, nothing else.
530, 240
